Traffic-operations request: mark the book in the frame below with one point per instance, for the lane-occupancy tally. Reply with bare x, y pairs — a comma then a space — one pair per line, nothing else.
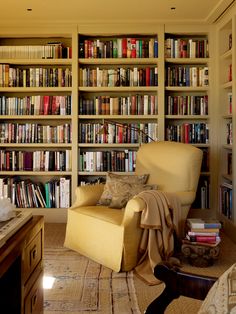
203, 223
196, 233
204, 230
204, 239
186, 241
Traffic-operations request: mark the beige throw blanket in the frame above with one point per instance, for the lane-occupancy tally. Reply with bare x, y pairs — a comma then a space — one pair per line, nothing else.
157, 243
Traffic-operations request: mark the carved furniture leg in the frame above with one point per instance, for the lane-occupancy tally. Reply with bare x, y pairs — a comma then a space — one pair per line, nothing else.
178, 283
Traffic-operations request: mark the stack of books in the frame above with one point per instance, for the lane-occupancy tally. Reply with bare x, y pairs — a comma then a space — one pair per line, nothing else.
203, 231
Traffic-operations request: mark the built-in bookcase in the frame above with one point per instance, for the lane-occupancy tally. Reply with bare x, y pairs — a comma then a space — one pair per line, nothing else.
36, 122
187, 98
226, 79
118, 97
93, 95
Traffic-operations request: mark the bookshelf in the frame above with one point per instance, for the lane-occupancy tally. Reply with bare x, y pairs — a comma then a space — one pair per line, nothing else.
91, 103
119, 90
226, 81
187, 99
36, 119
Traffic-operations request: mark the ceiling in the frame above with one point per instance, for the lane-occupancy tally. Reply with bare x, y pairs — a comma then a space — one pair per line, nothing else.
106, 11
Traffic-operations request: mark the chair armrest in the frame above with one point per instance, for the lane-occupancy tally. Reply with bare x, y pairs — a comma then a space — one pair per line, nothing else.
136, 204
87, 195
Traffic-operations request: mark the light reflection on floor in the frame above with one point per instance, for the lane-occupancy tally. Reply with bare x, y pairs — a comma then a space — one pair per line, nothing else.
48, 282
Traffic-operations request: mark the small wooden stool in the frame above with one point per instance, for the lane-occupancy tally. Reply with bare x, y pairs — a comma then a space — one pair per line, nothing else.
200, 255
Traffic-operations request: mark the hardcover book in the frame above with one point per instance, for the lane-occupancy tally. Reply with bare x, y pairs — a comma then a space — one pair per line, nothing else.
203, 223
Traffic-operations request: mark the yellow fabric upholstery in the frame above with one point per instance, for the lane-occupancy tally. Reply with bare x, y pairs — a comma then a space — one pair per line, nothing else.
111, 236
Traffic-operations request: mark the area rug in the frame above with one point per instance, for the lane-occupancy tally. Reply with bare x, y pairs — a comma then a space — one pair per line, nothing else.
83, 286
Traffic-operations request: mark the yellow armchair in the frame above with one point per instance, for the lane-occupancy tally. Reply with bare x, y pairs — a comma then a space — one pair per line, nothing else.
111, 236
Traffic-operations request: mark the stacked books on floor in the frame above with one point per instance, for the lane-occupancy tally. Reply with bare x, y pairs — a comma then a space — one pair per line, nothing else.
203, 231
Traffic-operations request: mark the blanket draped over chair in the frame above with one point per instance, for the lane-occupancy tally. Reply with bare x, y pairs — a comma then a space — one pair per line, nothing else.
159, 219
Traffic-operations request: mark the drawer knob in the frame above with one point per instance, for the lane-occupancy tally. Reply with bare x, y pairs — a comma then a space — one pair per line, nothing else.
33, 254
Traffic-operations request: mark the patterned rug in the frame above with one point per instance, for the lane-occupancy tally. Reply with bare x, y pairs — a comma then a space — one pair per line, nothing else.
83, 286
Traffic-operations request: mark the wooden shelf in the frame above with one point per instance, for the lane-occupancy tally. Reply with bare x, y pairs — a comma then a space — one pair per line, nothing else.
118, 89
187, 117
187, 60
37, 61
117, 61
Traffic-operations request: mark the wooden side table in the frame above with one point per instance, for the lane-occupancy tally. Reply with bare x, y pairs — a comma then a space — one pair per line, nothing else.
200, 255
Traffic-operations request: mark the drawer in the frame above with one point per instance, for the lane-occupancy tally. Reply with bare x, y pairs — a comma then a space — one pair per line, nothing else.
32, 255
34, 300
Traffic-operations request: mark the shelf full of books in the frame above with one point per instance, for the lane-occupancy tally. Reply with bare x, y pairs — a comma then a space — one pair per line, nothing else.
226, 82
187, 99
36, 121
118, 101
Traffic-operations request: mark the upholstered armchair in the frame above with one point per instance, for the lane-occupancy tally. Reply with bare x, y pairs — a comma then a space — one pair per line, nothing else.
112, 236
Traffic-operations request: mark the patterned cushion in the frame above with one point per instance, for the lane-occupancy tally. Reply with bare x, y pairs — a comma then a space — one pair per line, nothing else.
122, 194
121, 187
221, 297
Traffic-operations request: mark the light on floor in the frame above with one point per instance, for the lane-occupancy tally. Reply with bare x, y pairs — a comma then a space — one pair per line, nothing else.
48, 282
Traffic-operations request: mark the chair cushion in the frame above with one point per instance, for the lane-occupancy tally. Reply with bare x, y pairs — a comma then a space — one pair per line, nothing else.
118, 185
102, 213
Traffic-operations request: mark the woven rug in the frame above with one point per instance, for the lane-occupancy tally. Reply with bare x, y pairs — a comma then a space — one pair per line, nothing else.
83, 286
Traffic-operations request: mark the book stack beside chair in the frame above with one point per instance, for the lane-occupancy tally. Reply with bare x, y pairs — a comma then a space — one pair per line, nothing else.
201, 244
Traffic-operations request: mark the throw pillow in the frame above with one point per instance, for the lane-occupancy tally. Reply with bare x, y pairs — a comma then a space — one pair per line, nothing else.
115, 182
123, 193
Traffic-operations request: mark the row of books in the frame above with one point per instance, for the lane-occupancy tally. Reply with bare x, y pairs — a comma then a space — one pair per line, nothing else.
230, 73
98, 77
124, 105
35, 77
35, 160
229, 133
115, 133
203, 231
230, 99
36, 105
108, 161
185, 75
119, 48
48, 51
202, 199
190, 133
226, 199
34, 133
229, 164
55, 193
187, 105
186, 48
204, 187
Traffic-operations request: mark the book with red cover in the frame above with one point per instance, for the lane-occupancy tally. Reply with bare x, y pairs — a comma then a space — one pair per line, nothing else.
45, 105
124, 47
206, 239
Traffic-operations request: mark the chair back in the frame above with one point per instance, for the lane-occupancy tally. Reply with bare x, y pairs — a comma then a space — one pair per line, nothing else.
172, 166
